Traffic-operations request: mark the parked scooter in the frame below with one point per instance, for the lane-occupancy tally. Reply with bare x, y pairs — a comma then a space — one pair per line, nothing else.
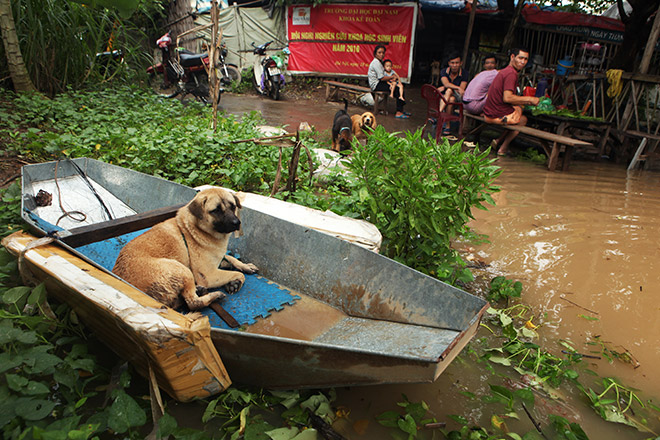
268, 77
229, 72
185, 70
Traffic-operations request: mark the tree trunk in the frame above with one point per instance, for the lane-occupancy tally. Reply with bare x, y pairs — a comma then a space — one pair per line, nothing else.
17, 70
509, 39
506, 6
181, 20
635, 34
650, 43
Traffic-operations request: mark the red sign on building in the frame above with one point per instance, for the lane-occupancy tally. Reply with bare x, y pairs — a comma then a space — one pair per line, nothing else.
339, 39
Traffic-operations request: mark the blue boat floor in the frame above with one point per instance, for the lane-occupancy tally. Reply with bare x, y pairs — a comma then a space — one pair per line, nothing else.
256, 299
391, 338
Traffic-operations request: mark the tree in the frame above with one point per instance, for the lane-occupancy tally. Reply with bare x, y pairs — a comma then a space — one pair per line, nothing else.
636, 32
17, 70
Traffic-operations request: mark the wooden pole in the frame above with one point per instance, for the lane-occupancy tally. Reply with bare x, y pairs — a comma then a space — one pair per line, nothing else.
650, 44
468, 35
507, 43
214, 51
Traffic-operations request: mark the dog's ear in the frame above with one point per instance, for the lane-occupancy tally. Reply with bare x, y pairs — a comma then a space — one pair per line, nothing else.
239, 198
196, 207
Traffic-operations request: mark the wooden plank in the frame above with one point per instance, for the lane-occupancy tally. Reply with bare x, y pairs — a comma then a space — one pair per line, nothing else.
347, 86
537, 133
336, 85
637, 157
641, 134
112, 228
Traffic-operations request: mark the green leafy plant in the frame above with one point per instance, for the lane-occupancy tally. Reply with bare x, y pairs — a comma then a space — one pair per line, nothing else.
246, 84
503, 288
58, 59
409, 422
619, 404
10, 218
48, 372
420, 195
532, 155
541, 368
241, 412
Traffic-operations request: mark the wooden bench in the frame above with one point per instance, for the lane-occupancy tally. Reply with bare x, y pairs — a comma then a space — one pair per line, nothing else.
544, 138
333, 87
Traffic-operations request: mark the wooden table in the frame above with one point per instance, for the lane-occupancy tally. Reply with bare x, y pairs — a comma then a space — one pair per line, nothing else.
565, 125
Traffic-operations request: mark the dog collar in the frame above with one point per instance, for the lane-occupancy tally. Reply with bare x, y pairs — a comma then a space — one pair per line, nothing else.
344, 128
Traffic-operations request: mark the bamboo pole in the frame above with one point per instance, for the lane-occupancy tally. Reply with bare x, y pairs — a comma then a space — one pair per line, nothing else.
468, 35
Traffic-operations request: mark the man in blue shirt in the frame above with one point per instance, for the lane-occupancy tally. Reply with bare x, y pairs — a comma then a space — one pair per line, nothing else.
454, 80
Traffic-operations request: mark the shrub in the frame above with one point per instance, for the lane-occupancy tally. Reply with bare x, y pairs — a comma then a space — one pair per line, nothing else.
420, 194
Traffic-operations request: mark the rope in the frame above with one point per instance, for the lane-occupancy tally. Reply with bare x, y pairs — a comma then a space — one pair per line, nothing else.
73, 215
614, 78
26, 274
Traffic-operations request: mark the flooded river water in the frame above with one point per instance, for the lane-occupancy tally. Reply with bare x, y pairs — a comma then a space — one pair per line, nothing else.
585, 245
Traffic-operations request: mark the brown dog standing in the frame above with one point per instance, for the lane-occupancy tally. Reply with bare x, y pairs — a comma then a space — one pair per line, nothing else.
182, 255
366, 120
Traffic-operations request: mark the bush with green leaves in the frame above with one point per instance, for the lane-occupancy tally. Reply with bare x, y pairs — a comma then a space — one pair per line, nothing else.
148, 134
420, 195
503, 288
48, 387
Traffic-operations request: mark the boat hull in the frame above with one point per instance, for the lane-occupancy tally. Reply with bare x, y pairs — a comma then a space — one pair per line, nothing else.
350, 315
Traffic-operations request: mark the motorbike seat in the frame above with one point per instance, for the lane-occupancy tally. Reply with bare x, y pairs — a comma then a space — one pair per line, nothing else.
189, 59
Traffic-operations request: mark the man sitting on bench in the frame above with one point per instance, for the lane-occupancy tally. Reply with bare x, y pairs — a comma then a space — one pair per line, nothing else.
503, 106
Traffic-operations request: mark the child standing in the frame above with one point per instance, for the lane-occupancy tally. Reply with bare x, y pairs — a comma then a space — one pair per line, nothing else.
394, 82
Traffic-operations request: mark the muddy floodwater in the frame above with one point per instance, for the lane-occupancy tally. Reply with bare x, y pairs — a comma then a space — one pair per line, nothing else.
585, 244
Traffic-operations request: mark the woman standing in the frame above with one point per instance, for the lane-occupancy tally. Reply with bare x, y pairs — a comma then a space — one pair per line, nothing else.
378, 80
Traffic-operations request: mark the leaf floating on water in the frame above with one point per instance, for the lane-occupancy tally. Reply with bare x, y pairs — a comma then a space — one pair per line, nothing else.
588, 318
500, 360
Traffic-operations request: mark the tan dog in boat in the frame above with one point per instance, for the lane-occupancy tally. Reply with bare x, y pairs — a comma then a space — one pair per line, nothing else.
180, 257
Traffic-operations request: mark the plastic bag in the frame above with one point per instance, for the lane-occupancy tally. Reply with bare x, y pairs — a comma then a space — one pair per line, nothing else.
367, 100
544, 105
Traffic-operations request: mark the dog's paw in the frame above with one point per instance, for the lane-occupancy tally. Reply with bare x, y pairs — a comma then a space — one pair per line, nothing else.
217, 295
250, 268
201, 290
233, 286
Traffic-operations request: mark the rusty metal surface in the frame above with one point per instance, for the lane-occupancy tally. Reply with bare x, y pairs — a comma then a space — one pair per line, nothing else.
357, 281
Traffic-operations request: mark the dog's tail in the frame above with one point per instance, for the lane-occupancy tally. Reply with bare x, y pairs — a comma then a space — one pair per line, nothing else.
345, 104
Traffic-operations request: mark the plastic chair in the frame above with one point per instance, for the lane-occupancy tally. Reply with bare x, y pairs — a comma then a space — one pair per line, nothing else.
433, 98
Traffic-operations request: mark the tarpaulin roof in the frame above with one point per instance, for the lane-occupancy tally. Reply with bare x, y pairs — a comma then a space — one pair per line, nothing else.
532, 15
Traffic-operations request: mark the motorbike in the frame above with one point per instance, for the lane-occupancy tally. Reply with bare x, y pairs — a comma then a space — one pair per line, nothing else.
268, 77
229, 72
184, 70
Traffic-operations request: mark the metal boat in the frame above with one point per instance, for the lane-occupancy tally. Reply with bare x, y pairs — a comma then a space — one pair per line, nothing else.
322, 311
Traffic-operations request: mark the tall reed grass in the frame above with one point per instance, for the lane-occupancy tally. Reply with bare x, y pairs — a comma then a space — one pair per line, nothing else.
59, 41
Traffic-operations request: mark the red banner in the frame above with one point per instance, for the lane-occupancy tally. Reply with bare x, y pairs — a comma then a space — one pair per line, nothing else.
339, 39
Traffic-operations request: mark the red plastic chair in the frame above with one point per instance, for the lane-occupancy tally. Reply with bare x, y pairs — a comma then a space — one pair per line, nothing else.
433, 97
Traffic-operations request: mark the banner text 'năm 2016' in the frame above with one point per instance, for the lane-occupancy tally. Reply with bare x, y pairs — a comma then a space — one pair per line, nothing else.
340, 39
